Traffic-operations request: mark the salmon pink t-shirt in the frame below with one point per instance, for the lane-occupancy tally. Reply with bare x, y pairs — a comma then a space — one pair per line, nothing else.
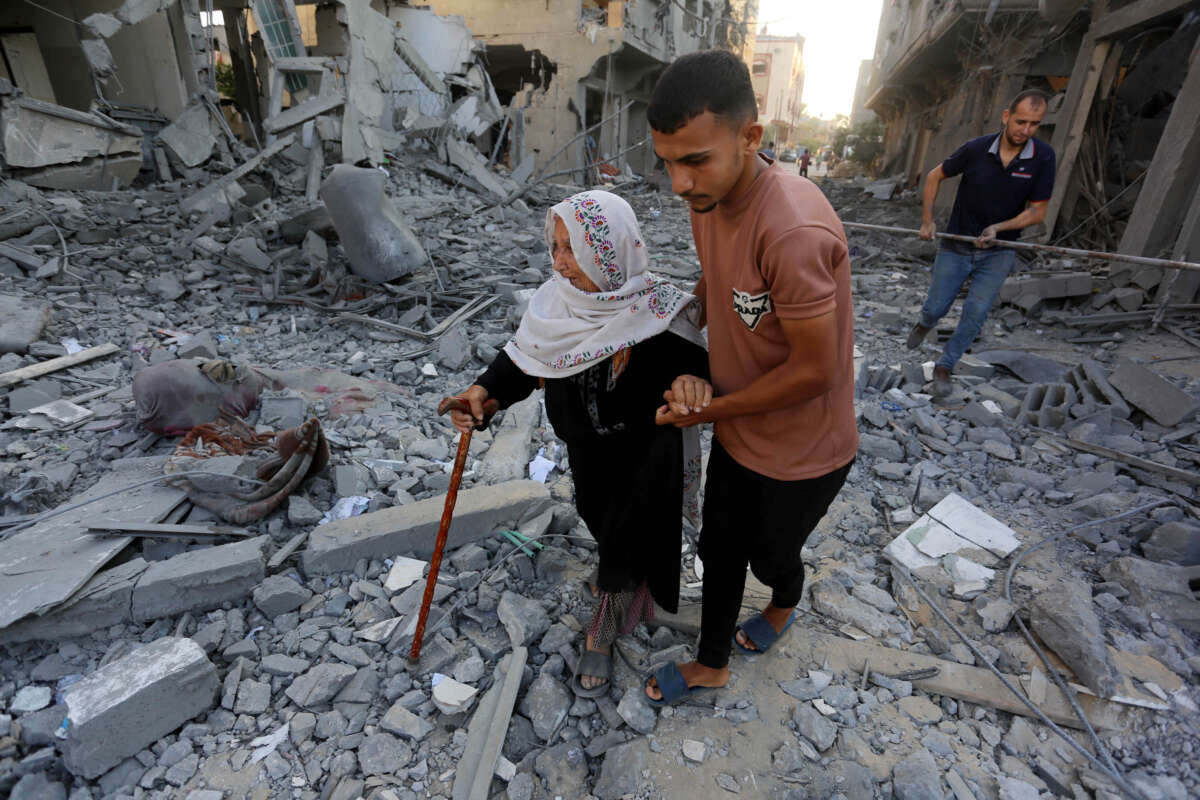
778, 252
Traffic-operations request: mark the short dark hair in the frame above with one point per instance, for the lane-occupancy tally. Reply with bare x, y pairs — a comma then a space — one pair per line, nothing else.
1038, 97
708, 80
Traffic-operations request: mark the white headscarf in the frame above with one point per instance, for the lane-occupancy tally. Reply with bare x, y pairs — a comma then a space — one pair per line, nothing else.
566, 330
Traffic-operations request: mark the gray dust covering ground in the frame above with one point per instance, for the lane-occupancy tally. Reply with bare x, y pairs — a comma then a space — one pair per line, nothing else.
273, 663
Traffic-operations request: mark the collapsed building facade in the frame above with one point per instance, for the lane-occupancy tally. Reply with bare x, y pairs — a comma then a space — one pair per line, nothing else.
91, 87
564, 66
1124, 82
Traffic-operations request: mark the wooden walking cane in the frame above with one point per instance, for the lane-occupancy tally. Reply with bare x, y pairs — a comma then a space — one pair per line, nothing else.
435, 564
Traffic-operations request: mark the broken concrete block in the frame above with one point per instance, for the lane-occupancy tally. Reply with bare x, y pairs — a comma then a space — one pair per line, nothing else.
1160, 587
200, 345
508, 455
99, 57
378, 241
1174, 541
523, 618
831, 598
22, 321
411, 529
1158, 398
1048, 405
199, 580
320, 684
124, 706
247, 251
1063, 617
101, 603
102, 25
279, 594
1129, 298
190, 136
1026, 366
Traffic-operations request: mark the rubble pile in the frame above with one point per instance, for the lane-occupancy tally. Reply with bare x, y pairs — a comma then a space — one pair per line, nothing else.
272, 653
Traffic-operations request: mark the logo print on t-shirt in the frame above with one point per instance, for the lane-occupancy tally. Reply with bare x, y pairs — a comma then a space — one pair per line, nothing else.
751, 308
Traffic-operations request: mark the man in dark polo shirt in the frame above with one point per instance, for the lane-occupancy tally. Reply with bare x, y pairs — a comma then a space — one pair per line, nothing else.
1007, 179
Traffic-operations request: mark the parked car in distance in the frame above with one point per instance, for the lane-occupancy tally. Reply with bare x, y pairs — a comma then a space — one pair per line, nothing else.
788, 155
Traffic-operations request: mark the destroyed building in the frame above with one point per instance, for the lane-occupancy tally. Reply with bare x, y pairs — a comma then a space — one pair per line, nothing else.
1124, 78
227, 319
563, 66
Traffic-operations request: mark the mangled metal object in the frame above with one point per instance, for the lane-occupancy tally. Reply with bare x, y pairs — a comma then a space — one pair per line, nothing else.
300, 453
379, 243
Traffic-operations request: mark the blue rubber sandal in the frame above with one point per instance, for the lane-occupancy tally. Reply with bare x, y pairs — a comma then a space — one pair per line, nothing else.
759, 631
672, 686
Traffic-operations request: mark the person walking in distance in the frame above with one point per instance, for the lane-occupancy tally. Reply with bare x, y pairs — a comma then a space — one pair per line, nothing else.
1007, 180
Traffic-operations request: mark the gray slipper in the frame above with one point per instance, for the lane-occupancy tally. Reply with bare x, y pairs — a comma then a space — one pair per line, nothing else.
596, 664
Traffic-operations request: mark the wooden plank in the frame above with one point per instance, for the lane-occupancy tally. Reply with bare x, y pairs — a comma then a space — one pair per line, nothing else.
188, 204
153, 530
972, 684
1072, 121
487, 731
1161, 205
1143, 12
303, 112
1181, 475
55, 364
43, 566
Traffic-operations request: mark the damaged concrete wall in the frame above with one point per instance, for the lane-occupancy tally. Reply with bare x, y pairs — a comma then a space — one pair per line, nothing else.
144, 51
549, 118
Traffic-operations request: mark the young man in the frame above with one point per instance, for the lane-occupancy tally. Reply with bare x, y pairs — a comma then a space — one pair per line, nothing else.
776, 294
1001, 173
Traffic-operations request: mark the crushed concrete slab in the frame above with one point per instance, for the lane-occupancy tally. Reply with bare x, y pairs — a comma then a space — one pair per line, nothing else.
1160, 399
190, 136
378, 241
102, 602
126, 705
411, 529
42, 566
1063, 617
508, 455
200, 579
21, 323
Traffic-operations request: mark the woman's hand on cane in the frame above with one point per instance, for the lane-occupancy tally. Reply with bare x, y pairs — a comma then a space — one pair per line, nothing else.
475, 396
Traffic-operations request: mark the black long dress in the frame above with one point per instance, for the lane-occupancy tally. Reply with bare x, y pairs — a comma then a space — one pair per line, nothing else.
628, 472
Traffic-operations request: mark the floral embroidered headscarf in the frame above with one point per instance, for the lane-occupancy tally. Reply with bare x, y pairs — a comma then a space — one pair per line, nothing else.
566, 330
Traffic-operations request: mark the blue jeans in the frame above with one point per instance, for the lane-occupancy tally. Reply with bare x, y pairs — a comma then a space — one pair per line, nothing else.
986, 269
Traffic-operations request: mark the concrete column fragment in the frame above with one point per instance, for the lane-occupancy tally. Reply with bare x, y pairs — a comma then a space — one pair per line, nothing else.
379, 243
124, 706
199, 580
410, 530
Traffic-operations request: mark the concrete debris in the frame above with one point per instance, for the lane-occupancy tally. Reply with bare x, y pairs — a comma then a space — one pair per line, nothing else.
54, 147
379, 243
1159, 399
1062, 616
280, 664
131, 702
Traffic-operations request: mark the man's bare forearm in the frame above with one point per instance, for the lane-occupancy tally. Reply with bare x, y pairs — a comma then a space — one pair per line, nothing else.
933, 182
780, 388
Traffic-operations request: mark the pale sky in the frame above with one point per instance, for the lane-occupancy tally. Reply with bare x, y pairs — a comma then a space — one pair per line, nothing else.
838, 35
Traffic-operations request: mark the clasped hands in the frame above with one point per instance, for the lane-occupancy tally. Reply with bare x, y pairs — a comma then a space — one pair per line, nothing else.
687, 403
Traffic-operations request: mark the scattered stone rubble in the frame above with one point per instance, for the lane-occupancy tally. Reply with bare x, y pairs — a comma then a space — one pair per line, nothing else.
275, 664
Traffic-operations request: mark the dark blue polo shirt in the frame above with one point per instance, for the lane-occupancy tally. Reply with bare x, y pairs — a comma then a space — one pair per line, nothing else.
990, 192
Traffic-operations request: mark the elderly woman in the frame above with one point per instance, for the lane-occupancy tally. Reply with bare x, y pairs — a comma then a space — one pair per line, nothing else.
606, 339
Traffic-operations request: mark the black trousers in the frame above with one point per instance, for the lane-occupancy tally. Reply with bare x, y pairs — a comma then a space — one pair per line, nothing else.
750, 519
